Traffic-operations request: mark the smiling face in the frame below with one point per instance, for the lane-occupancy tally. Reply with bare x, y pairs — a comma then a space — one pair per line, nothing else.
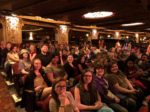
70, 58
87, 78
32, 48
100, 71
25, 55
55, 59
44, 49
130, 64
114, 68
37, 64
15, 49
60, 87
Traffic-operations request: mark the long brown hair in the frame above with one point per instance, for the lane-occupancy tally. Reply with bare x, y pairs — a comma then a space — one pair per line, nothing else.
54, 94
91, 89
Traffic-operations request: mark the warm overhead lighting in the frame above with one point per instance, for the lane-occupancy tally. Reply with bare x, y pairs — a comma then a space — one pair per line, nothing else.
87, 35
29, 30
98, 14
31, 36
50, 19
12, 21
147, 29
63, 28
13, 14
144, 38
94, 32
127, 37
117, 34
136, 35
108, 36
133, 24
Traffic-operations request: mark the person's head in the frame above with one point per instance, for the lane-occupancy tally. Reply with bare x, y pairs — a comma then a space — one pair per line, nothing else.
98, 56
55, 58
32, 48
144, 58
2, 44
113, 50
36, 64
24, 54
8, 45
113, 67
88, 52
61, 46
58, 88
87, 77
14, 48
65, 52
70, 59
44, 48
130, 63
99, 69
82, 59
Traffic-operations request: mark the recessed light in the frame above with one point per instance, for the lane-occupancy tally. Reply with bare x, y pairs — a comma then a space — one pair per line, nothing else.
133, 24
98, 14
13, 14
147, 29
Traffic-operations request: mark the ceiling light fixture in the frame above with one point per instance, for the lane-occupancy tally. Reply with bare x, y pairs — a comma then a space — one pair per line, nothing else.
133, 24
98, 14
147, 29
31, 36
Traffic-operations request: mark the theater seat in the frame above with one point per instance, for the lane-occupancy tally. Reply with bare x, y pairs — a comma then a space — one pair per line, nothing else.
16, 78
44, 104
143, 109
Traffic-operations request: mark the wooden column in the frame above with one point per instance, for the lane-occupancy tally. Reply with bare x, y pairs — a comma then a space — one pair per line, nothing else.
61, 34
12, 29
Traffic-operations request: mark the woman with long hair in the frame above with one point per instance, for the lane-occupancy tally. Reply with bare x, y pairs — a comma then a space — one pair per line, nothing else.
61, 100
36, 84
87, 97
121, 86
12, 58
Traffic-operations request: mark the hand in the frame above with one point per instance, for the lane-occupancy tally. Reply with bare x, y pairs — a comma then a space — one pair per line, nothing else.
62, 98
133, 91
98, 105
117, 100
38, 88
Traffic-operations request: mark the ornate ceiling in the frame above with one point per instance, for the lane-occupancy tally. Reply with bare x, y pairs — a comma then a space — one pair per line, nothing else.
125, 11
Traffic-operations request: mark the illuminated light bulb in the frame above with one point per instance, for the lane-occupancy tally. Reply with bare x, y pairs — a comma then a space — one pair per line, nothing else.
31, 36
63, 28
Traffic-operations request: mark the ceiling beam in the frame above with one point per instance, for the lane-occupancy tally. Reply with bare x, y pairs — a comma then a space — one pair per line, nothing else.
20, 4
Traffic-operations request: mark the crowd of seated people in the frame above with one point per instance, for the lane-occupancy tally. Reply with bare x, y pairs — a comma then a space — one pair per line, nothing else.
99, 80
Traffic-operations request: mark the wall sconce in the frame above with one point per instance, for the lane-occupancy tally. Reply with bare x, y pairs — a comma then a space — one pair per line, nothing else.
63, 28
94, 32
117, 34
87, 35
108, 36
31, 36
144, 38
127, 37
12, 21
136, 35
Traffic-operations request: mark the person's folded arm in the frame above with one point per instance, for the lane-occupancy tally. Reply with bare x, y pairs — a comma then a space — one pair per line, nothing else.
78, 102
123, 90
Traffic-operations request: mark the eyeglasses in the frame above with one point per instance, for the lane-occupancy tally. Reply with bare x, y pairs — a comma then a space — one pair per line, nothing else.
87, 75
61, 87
